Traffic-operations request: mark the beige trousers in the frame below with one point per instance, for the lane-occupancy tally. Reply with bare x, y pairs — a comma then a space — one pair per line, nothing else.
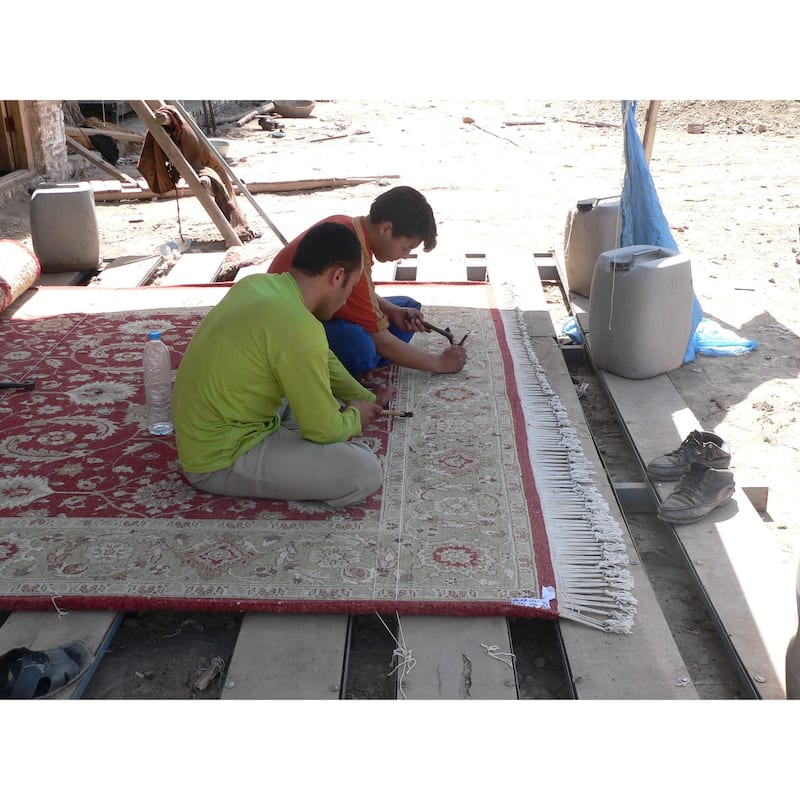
287, 467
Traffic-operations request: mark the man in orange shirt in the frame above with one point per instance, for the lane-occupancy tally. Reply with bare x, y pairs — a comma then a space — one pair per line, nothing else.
371, 331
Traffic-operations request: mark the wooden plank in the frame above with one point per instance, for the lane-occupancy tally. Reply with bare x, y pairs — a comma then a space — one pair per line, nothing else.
451, 662
123, 136
65, 278
287, 657
139, 190
43, 630
127, 272
98, 161
645, 664
194, 268
748, 580
308, 184
649, 135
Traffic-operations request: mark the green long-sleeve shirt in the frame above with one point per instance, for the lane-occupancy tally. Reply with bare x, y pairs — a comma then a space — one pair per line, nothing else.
259, 345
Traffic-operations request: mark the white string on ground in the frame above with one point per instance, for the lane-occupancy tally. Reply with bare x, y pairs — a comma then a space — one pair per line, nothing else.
493, 651
405, 660
59, 611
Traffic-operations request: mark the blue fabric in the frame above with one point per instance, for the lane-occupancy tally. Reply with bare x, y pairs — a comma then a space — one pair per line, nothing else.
354, 346
643, 221
571, 329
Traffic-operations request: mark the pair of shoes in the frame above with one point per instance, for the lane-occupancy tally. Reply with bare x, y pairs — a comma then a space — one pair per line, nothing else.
42, 674
699, 491
699, 447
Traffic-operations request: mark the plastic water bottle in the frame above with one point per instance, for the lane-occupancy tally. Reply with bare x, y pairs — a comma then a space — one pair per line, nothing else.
157, 371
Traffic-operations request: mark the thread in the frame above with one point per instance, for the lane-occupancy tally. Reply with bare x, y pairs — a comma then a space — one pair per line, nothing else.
59, 611
405, 659
493, 651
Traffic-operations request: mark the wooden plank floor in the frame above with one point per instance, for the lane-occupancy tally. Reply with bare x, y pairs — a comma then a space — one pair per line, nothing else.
645, 664
748, 580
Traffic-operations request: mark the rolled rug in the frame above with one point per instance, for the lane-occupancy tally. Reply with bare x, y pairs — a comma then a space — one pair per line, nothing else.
19, 270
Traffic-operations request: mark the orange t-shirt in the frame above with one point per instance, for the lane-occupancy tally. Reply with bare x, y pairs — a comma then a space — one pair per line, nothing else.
362, 306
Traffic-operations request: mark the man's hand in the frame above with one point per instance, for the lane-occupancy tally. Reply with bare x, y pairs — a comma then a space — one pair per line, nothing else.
453, 358
369, 411
407, 319
384, 394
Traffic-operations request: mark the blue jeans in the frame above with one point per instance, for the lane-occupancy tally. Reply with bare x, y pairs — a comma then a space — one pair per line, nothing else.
354, 346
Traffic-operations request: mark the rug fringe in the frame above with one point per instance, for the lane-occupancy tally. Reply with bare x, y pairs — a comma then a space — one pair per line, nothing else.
590, 560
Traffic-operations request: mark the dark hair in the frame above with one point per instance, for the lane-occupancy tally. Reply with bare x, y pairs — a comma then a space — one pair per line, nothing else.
326, 245
409, 212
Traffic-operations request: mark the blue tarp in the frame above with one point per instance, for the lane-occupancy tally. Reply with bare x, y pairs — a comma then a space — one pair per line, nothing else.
643, 221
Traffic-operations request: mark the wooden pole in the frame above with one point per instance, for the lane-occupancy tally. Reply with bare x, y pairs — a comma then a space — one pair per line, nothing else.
650, 128
145, 113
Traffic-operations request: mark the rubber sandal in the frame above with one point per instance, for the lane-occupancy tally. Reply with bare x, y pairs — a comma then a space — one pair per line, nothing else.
42, 674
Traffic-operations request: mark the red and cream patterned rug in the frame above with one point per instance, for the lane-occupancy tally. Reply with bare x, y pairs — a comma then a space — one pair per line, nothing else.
95, 514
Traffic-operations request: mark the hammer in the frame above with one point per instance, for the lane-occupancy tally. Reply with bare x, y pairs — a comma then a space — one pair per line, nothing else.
428, 326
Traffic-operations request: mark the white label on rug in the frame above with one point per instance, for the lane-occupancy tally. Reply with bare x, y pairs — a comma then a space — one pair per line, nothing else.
548, 594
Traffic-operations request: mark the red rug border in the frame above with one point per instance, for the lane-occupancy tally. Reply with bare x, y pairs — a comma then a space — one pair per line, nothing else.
541, 542
438, 608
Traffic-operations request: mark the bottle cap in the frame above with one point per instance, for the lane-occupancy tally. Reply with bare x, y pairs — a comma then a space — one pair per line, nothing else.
155, 335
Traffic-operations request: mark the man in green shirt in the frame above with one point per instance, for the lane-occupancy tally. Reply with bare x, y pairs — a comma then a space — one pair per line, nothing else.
264, 346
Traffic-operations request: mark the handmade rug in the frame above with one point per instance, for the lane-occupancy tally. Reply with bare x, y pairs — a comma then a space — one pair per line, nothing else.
486, 507
19, 270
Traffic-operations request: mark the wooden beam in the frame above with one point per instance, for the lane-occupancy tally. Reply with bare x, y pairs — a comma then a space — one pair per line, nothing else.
123, 136
650, 128
139, 190
176, 157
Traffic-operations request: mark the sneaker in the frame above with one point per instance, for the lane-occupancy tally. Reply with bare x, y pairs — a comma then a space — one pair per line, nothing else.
700, 447
699, 491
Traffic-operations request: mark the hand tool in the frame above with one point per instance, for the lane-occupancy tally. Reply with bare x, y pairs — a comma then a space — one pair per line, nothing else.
446, 332
26, 385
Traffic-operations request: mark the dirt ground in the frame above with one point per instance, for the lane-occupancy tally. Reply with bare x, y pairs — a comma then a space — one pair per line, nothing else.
729, 195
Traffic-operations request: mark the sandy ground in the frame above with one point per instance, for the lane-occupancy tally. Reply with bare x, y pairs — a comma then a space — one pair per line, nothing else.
729, 195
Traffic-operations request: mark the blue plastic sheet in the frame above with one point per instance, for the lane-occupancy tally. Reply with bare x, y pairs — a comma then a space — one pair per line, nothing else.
713, 340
